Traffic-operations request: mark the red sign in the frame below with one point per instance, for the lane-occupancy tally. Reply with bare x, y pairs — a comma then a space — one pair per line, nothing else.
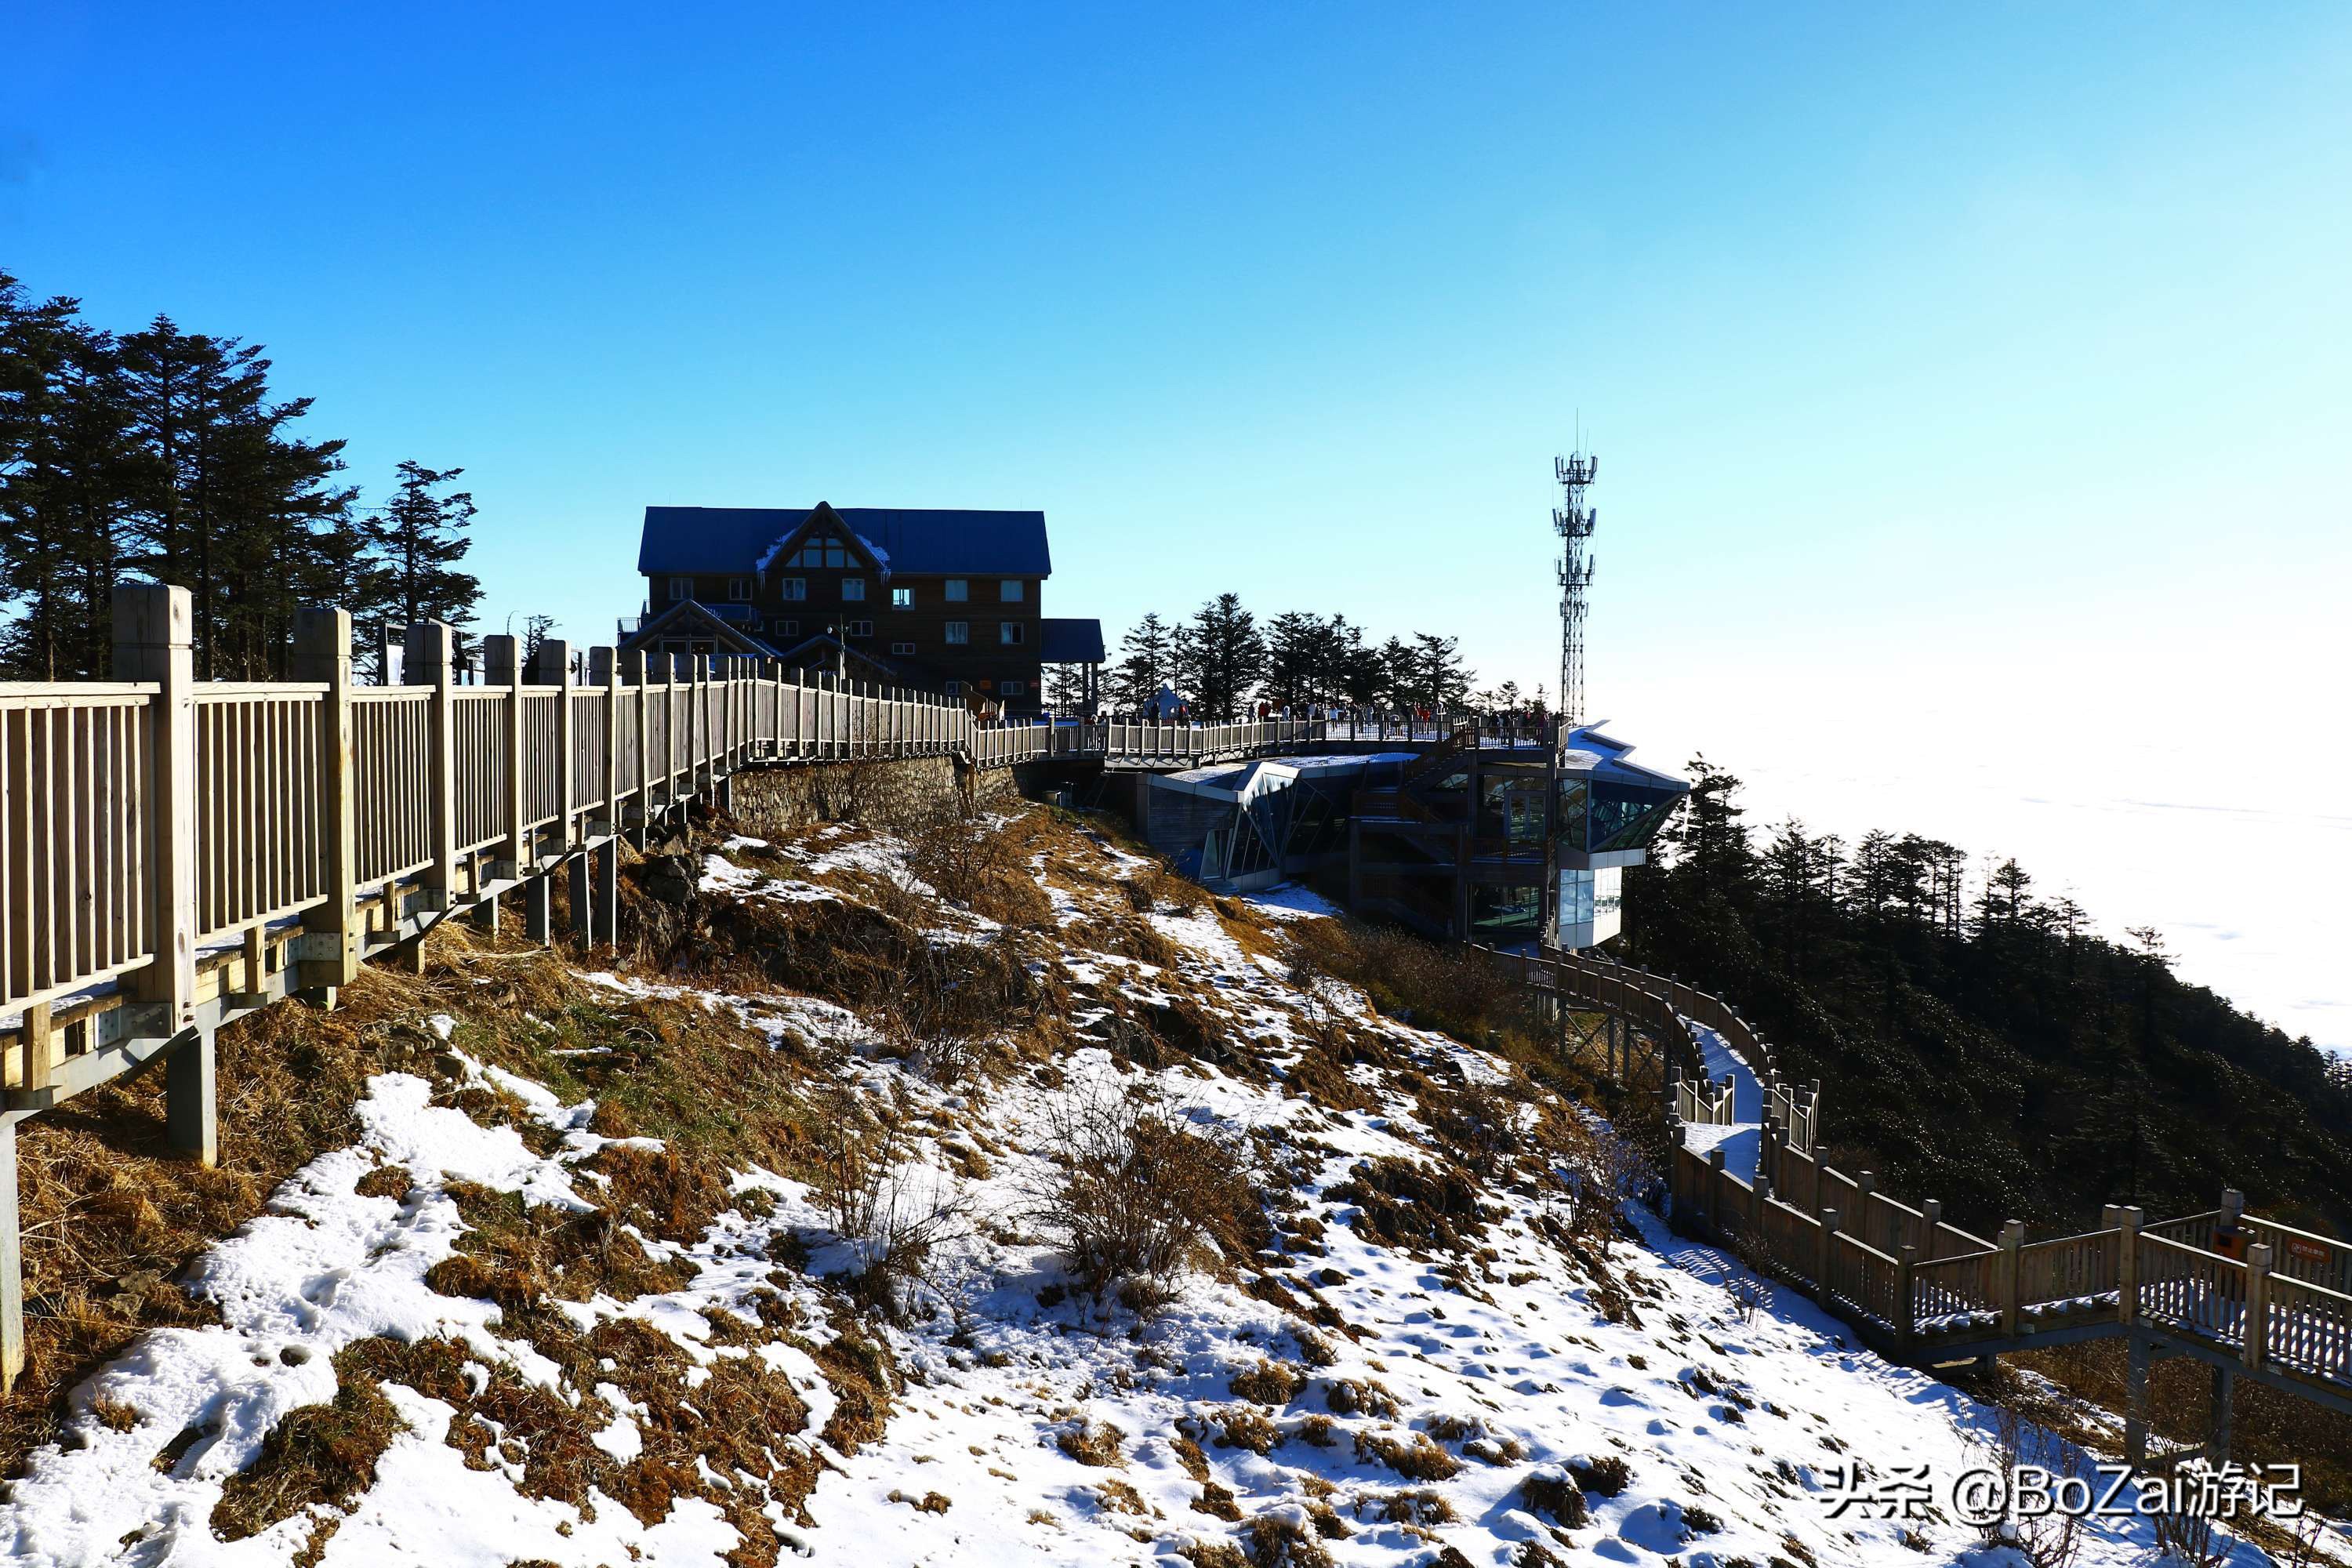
2305, 1251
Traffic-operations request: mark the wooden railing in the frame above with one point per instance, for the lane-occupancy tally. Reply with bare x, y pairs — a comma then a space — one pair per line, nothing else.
249, 782
1922, 1290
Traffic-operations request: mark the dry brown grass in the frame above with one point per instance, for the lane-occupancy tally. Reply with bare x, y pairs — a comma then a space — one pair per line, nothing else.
1416, 1458
111, 1217
1095, 1443
1558, 1497
1279, 1542
321, 1453
1403, 1203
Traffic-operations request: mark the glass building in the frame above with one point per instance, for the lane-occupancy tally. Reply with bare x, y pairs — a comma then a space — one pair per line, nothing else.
1606, 812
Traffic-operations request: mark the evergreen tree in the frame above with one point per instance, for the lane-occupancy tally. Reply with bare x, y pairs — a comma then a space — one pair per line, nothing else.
1439, 679
1220, 658
1706, 832
1298, 657
69, 471
1147, 661
1358, 674
417, 542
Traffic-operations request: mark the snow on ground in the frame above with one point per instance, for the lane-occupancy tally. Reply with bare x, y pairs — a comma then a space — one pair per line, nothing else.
1288, 900
1276, 1411
1741, 1141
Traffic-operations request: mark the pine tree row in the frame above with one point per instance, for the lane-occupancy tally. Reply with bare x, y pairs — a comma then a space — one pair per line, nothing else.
167, 454
1222, 662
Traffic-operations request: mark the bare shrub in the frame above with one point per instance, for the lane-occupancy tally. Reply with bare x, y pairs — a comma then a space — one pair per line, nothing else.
895, 1212
2186, 1537
1605, 1170
973, 863
2049, 1539
1135, 1198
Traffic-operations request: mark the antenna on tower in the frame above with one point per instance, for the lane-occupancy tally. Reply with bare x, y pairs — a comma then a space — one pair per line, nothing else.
1573, 522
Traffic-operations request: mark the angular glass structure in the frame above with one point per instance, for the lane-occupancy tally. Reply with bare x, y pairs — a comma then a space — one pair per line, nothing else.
1606, 810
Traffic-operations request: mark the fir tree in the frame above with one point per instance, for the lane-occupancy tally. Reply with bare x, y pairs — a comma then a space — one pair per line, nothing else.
417, 542
1220, 658
1146, 663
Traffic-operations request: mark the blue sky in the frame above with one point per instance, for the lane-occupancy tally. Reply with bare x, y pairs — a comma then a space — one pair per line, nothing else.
1969, 381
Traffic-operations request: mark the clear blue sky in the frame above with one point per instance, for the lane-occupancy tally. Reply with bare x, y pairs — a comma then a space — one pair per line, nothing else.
1966, 379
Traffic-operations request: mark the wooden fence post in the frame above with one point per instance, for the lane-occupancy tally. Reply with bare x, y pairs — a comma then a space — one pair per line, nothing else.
604, 674
502, 667
2127, 1265
1906, 1312
1826, 1249
1865, 1183
331, 943
12, 1263
1715, 1192
2013, 1237
555, 669
633, 673
2254, 1346
150, 644
427, 662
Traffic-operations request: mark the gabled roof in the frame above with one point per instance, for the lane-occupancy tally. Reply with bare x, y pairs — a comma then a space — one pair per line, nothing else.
1068, 640
691, 617
733, 539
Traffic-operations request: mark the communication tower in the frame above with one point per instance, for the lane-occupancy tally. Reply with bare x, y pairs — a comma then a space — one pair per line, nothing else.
1573, 522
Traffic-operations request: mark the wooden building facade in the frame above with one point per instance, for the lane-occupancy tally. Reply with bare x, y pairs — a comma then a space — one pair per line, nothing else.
942, 601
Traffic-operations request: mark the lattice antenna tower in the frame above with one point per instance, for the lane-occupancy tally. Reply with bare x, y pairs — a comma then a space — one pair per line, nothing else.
1573, 522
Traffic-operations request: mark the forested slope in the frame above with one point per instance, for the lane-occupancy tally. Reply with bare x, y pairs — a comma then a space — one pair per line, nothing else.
1981, 1044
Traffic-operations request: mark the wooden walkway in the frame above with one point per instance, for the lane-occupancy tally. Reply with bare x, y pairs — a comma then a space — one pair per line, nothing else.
175, 854
2249, 1296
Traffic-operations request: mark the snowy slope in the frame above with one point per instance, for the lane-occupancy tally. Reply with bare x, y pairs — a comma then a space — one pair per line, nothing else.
1273, 1410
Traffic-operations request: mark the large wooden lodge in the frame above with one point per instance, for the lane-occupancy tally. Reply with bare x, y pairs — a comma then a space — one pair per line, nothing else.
951, 602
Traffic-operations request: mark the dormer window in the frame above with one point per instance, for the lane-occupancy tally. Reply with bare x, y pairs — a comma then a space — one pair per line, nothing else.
821, 550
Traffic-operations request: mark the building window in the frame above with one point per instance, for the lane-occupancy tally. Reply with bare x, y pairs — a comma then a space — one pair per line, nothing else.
860, 628
959, 590
959, 633
785, 628
902, 647
738, 590
792, 590
1010, 591
902, 598
681, 588
955, 687
1012, 634
853, 590
1012, 689
820, 550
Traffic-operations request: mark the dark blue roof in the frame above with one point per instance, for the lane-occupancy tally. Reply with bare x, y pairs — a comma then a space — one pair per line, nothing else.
1067, 640
733, 538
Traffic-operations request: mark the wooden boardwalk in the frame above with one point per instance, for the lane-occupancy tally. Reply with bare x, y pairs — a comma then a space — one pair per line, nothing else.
2249, 1296
175, 854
